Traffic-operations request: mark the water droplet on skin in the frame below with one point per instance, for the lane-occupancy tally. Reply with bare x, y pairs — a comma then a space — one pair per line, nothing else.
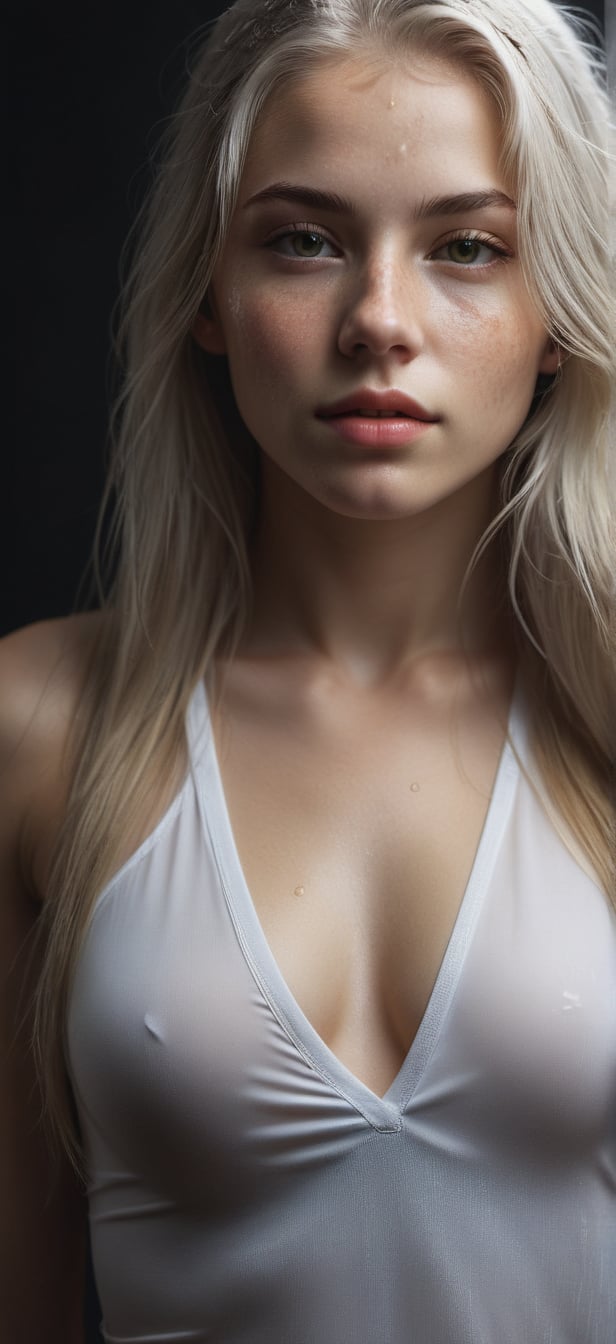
298, 891
414, 788
392, 102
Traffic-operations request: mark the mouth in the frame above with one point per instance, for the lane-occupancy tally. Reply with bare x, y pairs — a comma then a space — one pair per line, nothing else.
370, 404
377, 429
363, 414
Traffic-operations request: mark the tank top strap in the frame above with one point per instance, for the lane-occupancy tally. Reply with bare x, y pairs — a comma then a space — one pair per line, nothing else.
198, 727
517, 728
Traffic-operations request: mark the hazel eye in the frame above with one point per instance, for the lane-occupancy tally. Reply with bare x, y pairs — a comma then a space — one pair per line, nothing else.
470, 252
307, 244
302, 244
465, 250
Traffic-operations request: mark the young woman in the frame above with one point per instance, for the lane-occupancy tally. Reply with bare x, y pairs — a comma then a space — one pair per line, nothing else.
311, 820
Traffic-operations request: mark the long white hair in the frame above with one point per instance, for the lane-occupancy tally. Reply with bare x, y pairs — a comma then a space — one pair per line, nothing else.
184, 482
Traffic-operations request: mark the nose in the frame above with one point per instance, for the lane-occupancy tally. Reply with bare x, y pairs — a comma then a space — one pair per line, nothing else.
382, 315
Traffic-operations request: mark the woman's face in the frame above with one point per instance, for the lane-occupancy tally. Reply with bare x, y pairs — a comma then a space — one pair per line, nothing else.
352, 268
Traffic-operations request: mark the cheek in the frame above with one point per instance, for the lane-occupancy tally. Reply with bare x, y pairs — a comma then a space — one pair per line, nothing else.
273, 344
268, 336
495, 355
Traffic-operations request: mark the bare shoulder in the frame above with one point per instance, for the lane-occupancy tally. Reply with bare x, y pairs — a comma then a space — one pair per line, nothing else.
42, 667
43, 1237
43, 670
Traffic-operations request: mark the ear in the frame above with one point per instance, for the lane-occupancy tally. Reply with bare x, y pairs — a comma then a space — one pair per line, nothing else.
551, 357
207, 328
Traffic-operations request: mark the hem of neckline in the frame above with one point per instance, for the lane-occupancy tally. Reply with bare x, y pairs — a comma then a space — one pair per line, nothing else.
379, 1112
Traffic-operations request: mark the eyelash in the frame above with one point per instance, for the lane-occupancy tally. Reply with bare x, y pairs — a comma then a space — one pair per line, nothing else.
292, 229
461, 235
484, 239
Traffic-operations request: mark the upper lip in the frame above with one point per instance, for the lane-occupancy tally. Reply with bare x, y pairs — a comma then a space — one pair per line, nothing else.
367, 399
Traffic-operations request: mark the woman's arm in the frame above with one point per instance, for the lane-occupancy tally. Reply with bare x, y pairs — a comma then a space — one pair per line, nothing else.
42, 1207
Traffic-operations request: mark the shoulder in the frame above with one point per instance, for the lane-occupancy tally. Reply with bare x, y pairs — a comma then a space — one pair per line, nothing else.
43, 673
37, 649
43, 669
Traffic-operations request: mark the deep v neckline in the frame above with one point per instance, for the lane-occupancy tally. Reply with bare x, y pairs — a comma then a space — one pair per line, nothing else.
382, 1112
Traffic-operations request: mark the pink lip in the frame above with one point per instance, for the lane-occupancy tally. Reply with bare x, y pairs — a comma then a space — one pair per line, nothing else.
378, 433
346, 420
368, 399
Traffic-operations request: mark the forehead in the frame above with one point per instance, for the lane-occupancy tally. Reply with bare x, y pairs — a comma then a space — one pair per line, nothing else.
373, 109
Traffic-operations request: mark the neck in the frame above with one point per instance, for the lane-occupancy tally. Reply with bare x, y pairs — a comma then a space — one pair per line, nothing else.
370, 597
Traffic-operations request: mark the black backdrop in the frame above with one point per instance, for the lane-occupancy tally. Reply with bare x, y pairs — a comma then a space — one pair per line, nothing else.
93, 83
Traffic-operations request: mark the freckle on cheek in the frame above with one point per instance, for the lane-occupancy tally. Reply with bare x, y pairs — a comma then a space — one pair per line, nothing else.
235, 303
280, 327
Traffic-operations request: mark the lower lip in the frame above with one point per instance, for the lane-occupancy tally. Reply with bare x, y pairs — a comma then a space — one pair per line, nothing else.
375, 431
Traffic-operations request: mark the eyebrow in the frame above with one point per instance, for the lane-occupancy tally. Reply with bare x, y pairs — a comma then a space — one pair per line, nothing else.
462, 203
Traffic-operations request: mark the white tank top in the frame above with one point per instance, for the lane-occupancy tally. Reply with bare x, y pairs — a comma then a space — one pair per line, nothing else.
246, 1188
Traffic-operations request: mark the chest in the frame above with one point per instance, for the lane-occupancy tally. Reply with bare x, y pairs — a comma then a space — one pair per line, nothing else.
357, 835
187, 1039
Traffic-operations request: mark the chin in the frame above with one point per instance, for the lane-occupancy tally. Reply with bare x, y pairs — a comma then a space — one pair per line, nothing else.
372, 506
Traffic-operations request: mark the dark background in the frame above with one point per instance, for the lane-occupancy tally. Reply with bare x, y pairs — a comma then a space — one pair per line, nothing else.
93, 85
